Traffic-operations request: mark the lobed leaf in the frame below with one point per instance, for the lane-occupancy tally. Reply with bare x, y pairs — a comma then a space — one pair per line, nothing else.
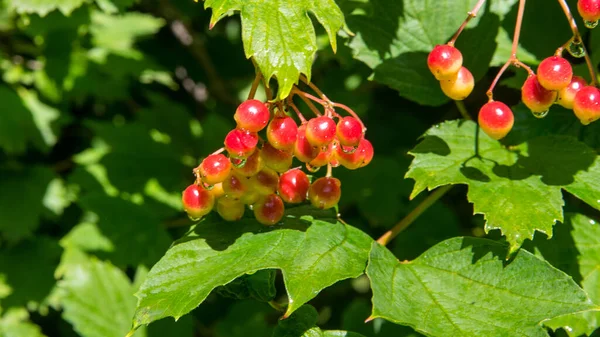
279, 34
465, 287
313, 250
518, 189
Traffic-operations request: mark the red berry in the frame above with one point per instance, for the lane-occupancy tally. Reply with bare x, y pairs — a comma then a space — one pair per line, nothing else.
567, 95
197, 201
444, 61
320, 131
350, 158
589, 9
460, 86
278, 160
236, 185
240, 143
214, 169
252, 115
496, 119
249, 166
349, 131
293, 186
282, 133
265, 181
324, 156
536, 97
325, 192
367, 149
303, 150
587, 104
269, 209
554, 73
230, 209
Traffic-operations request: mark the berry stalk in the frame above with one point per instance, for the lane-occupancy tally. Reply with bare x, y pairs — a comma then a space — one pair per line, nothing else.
470, 16
413, 215
577, 39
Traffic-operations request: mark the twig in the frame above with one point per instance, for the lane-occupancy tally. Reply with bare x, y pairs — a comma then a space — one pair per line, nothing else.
302, 94
471, 15
513, 60
312, 86
413, 215
577, 39
255, 84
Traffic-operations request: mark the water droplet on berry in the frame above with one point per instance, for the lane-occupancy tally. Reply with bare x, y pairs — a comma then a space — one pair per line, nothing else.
540, 114
576, 49
311, 168
590, 24
193, 219
238, 163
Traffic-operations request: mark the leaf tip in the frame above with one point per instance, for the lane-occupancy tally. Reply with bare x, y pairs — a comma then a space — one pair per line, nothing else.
370, 318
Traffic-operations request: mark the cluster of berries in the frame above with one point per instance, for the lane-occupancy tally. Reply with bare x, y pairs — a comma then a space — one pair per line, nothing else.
553, 83
258, 173
445, 63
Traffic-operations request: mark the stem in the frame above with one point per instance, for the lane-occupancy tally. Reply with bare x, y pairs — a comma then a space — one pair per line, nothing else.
470, 15
577, 39
329, 171
513, 54
255, 83
312, 86
298, 113
219, 151
309, 103
463, 110
413, 215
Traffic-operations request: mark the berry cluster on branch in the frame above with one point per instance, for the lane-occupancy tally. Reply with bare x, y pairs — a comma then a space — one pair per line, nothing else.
254, 168
553, 83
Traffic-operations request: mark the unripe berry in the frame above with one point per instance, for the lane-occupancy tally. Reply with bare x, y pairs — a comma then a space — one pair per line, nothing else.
250, 166
587, 104
293, 186
265, 181
349, 131
240, 143
589, 9
496, 119
536, 97
554, 73
252, 115
320, 131
567, 95
197, 201
236, 185
325, 192
214, 169
303, 150
282, 133
444, 61
230, 209
269, 209
217, 190
278, 160
460, 86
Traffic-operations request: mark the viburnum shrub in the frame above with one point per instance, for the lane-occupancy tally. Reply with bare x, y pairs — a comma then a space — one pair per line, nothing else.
276, 207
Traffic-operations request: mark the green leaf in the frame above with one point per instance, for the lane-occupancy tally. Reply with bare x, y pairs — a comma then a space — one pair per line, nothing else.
259, 286
217, 252
43, 7
394, 37
586, 235
465, 287
29, 268
299, 324
97, 299
19, 216
279, 35
245, 318
518, 190
359, 309
15, 323
117, 33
